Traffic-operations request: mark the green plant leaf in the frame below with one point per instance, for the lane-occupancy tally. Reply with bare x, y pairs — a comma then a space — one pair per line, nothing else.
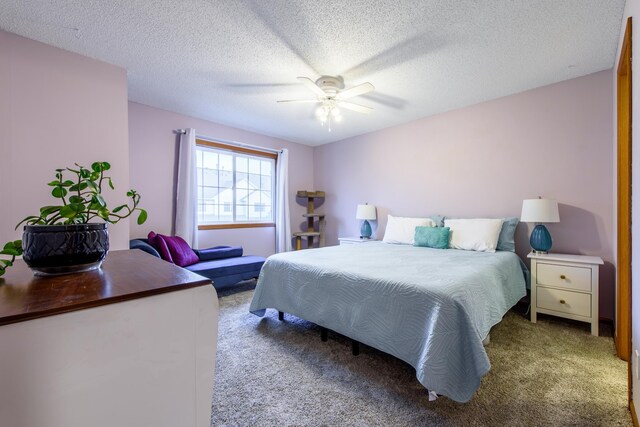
48, 210
53, 183
106, 166
12, 249
142, 217
28, 220
67, 212
92, 185
67, 183
98, 198
79, 187
76, 199
118, 208
77, 207
111, 184
104, 214
59, 192
96, 166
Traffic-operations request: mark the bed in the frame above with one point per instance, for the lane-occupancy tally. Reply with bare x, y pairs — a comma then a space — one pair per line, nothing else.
431, 308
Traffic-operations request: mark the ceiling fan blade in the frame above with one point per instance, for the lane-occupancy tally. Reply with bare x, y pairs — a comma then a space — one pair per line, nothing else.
355, 107
356, 91
313, 86
299, 100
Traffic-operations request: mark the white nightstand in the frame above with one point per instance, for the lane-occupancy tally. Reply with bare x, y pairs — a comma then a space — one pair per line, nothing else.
565, 286
354, 240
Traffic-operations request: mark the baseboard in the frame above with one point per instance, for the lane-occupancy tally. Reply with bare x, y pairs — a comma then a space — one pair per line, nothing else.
634, 417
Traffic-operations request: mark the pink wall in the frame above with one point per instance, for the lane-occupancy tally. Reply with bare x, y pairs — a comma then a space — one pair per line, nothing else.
153, 146
57, 108
632, 8
483, 160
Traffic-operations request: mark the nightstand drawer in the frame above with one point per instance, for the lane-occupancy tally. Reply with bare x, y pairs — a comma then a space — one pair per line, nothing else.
564, 301
564, 276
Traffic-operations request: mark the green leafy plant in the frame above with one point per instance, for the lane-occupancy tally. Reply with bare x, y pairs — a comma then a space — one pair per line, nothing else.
11, 249
81, 201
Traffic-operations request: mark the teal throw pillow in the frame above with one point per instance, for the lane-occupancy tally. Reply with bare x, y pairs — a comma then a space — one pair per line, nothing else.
432, 237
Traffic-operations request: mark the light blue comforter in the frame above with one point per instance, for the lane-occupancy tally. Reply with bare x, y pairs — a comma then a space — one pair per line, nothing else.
429, 307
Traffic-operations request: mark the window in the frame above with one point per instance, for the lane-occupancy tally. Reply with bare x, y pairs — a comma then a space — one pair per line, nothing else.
236, 186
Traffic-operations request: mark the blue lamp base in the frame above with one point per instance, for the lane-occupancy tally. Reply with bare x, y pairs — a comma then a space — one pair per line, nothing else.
540, 240
365, 230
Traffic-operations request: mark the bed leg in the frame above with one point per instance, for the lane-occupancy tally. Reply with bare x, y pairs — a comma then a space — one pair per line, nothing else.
355, 347
280, 315
323, 333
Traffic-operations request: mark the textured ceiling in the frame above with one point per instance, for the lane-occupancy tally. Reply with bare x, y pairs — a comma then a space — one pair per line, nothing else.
229, 61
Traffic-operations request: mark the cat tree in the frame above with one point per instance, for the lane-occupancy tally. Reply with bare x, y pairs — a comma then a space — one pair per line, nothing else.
312, 217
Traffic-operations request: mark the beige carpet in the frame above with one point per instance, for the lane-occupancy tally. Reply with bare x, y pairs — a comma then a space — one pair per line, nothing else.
272, 373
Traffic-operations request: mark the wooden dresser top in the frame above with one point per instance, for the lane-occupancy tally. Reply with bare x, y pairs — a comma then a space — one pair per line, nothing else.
125, 275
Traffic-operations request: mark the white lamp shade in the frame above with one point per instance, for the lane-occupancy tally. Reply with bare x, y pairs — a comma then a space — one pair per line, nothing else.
366, 212
540, 210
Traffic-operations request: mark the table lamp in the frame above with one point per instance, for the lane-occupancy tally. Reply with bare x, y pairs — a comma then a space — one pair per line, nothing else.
366, 212
539, 211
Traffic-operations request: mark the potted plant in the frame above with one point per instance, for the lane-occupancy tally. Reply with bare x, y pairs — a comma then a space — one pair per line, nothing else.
61, 238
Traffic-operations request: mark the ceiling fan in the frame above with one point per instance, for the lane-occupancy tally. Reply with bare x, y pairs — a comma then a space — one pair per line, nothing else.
330, 95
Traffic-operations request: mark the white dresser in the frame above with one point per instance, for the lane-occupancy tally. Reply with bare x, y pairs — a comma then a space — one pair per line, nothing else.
131, 344
566, 286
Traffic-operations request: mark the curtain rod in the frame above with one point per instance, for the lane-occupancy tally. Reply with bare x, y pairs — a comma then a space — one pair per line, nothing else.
232, 143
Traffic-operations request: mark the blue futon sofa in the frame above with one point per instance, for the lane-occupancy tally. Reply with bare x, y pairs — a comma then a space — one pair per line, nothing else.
224, 265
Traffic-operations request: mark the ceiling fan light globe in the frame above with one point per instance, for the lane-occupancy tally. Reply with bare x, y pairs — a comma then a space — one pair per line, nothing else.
330, 94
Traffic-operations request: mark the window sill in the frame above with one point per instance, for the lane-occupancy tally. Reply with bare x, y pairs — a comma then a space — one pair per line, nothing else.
236, 225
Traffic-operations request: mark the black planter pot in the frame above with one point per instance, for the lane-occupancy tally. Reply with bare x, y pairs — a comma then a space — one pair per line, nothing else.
63, 249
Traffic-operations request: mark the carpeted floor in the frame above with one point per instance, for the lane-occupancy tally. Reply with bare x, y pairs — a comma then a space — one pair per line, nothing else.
272, 373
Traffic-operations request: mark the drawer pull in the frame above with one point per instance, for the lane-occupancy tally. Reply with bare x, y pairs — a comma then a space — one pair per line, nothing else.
562, 301
562, 276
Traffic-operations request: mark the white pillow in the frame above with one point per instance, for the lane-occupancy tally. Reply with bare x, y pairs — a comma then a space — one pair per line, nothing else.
403, 230
474, 234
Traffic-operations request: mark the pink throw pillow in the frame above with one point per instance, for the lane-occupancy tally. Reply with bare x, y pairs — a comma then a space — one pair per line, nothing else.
181, 252
160, 245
